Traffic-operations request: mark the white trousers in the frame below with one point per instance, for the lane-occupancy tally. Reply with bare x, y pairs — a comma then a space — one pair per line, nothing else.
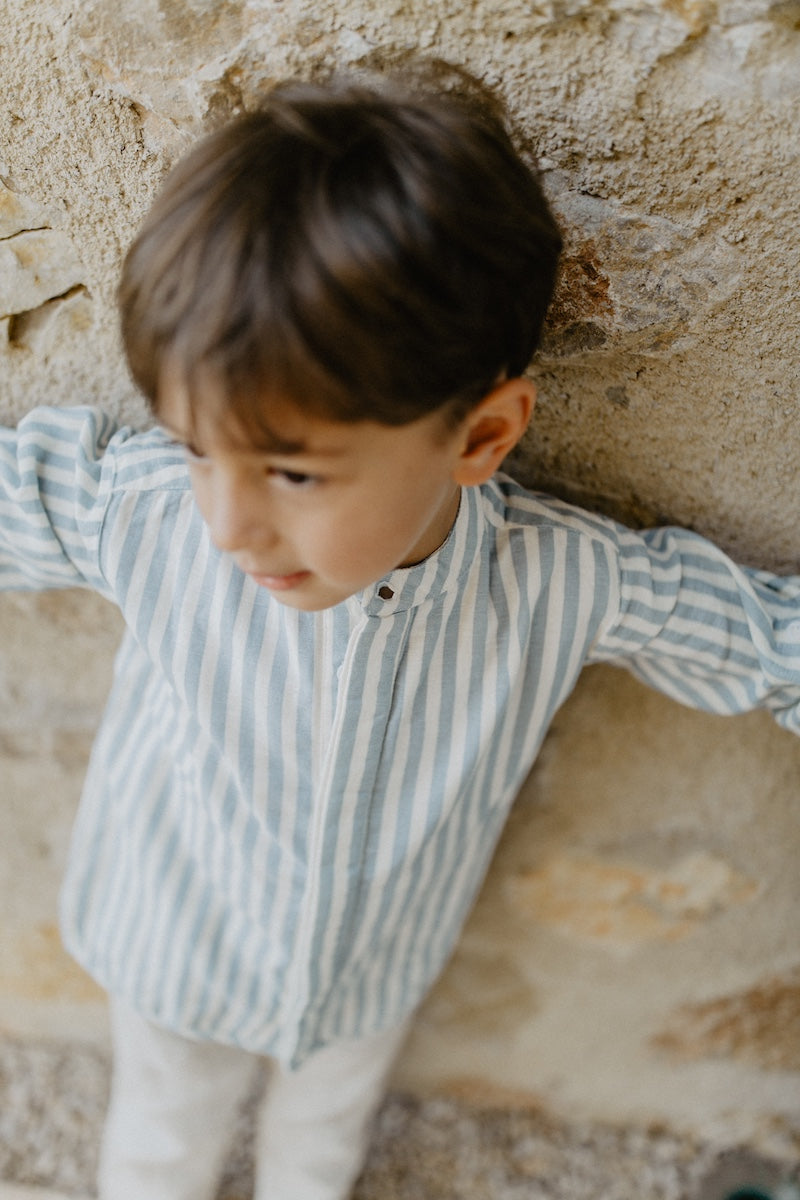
173, 1101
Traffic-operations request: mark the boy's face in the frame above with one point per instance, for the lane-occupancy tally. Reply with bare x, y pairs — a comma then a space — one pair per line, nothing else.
326, 509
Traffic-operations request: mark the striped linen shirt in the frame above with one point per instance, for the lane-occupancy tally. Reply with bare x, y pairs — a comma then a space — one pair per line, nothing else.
287, 815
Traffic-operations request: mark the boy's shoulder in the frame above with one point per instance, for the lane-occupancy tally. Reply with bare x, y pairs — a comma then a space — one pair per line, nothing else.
148, 460
129, 458
513, 507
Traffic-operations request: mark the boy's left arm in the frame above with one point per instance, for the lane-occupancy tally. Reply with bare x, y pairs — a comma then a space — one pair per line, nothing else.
693, 624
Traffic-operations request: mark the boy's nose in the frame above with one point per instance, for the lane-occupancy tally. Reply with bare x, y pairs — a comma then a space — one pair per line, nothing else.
236, 522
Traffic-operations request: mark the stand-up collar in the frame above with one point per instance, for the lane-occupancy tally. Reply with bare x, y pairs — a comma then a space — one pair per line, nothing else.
408, 587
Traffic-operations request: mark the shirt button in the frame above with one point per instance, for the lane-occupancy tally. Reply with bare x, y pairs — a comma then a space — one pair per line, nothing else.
385, 593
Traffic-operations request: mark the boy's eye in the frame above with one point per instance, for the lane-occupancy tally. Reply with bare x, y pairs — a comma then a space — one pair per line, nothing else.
294, 479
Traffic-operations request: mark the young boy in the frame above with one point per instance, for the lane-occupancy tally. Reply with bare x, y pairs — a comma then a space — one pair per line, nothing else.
346, 635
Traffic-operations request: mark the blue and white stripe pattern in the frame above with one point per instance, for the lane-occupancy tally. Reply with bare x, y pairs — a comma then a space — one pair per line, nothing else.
288, 815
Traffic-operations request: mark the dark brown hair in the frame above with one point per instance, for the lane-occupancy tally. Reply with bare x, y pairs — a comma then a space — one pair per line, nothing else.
366, 253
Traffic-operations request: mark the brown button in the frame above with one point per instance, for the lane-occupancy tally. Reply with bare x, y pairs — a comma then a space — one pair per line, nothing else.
385, 593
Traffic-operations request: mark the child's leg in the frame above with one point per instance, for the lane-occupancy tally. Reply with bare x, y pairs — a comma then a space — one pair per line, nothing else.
315, 1122
169, 1120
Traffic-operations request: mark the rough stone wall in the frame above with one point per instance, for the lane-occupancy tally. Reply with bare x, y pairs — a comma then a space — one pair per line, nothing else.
635, 952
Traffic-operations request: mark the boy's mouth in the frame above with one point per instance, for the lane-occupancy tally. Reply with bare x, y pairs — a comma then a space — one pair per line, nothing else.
279, 583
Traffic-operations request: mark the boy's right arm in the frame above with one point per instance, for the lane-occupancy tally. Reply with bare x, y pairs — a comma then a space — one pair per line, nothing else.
54, 488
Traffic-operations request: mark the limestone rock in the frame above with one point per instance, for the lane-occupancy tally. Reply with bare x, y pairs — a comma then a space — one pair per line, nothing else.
759, 1025
622, 906
35, 267
19, 213
632, 273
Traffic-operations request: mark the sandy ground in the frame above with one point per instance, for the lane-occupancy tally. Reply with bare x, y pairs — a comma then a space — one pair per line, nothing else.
52, 1100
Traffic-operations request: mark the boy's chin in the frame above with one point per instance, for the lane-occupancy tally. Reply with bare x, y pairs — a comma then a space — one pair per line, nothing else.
310, 599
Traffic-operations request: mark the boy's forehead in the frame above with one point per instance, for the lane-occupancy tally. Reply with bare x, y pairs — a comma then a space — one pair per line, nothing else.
204, 417
271, 426
204, 413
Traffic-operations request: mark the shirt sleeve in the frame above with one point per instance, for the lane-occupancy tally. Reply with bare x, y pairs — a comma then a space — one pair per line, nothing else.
701, 629
55, 479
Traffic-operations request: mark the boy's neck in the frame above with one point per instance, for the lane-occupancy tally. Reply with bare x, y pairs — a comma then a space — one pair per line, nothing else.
438, 531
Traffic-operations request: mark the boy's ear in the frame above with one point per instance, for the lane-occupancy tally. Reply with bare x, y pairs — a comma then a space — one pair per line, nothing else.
492, 429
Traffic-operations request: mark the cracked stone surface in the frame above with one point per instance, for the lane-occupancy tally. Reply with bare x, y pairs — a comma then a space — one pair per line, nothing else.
640, 922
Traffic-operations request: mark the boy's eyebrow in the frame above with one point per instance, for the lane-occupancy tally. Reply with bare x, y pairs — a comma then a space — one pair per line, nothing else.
266, 442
